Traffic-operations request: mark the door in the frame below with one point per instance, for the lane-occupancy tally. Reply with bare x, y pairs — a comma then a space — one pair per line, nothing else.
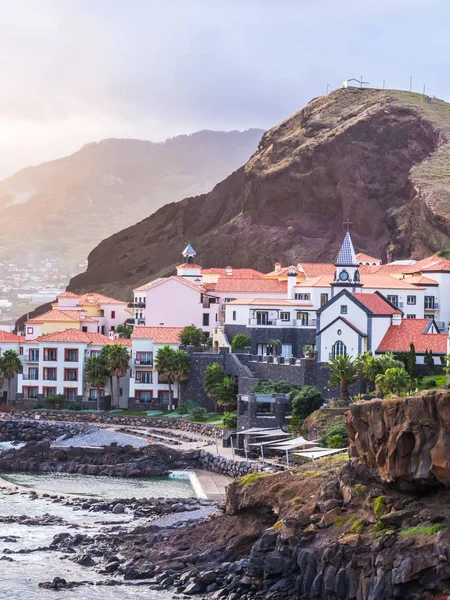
262, 318
261, 349
286, 350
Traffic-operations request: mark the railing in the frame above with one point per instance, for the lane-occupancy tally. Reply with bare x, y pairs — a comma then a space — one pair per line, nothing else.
139, 362
136, 304
32, 359
26, 377
281, 323
431, 306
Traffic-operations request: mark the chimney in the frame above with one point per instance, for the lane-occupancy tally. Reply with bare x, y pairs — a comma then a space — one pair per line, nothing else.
229, 270
277, 266
292, 280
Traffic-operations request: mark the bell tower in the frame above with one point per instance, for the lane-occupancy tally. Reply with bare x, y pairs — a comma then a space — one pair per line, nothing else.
347, 268
189, 269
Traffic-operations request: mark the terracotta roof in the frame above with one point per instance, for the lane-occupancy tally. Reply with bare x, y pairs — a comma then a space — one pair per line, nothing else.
316, 269
75, 336
432, 263
146, 286
363, 258
58, 315
160, 280
237, 273
7, 337
209, 287
270, 286
376, 304
385, 281
281, 272
68, 295
320, 281
421, 280
94, 298
159, 335
189, 266
399, 337
123, 341
270, 302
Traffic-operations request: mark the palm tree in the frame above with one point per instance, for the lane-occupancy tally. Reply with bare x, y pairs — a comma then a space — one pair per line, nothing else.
10, 364
369, 367
124, 330
181, 369
165, 365
214, 376
343, 372
96, 374
394, 381
227, 392
117, 362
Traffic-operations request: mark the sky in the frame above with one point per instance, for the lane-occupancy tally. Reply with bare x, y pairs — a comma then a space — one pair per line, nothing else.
77, 71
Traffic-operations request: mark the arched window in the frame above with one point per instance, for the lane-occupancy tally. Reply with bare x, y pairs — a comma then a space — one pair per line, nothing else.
338, 348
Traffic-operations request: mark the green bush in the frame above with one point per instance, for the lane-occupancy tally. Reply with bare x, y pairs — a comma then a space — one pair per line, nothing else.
278, 387
74, 406
357, 527
306, 401
379, 506
230, 420
240, 341
198, 413
336, 441
339, 429
53, 401
183, 409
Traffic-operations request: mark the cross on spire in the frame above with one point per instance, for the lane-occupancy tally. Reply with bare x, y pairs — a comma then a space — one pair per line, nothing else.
347, 223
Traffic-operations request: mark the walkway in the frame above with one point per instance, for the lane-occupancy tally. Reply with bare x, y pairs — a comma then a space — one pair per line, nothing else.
213, 484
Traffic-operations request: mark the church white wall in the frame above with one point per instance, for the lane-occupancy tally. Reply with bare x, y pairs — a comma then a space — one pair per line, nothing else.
380, 325
355, 315
348, 336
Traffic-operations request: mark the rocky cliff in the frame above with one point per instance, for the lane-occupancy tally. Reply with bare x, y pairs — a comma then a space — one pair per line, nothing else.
64, 207
406, 440
378, 157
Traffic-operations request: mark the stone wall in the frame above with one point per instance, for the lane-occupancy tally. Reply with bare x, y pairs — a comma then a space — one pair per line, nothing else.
35, 431
231, 468
193, 389
97, 418
298, 337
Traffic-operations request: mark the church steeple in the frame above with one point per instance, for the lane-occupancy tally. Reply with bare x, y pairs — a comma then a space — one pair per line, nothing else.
189, 269
189, 254
347, 266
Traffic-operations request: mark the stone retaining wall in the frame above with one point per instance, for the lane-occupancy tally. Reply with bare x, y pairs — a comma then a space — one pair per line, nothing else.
35, 431
111, 419
231, 468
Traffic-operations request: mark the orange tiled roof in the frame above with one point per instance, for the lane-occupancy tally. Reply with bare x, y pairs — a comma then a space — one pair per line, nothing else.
281, 272
376, 304
189, 266
68, 295
159, 335
421, 280
58, 315
320, 281
316, 269
361, 257
399, 337
270, 302
75, 336
270, 286
155, 282
432, 263
6, 337
94, 298
236, 273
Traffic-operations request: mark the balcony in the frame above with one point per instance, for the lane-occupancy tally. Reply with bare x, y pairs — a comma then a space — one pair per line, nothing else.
135, 321
139, 362
26, 377
311, 323
32, 359
136, 304
431, 306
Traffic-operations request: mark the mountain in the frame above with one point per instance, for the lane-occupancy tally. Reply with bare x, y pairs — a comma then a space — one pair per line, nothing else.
380, 158
64, 207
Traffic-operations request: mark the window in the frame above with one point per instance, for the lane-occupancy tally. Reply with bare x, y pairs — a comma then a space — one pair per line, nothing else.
143, 376
229, 299
33, 373
343, 309
93, 394
113, 314
303, 318
323, 299
30, 392
410, 300
144, 395
103, 330
234, 315
429, 302
393, 300
49, 374
70, 355
84, 328
205, 320
285, 316
410, 316
144, 358
70, 393
33, 355
21, 350
164, 397
95, 352
50, 354
48, 391
30, 330
70, 374
302, 296
338, 348
113, 327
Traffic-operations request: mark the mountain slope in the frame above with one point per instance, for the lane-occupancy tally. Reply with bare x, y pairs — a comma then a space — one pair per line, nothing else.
377, 157
64, 207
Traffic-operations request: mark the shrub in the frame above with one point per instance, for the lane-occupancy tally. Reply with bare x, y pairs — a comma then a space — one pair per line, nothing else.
339, 429
360, 489
336, 441
240, 341
198, 413
251, 478
379, 527
74, 406
192, 336
183, 409
53, 401
379, 506
230, 420
357, 527
306, 401
278, 387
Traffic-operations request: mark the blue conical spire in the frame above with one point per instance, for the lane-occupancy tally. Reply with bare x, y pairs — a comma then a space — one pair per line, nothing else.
189, 251
347, 256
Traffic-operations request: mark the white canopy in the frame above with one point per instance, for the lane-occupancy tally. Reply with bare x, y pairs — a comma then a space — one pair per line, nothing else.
272, 433
254, 430
314, 453
297, 442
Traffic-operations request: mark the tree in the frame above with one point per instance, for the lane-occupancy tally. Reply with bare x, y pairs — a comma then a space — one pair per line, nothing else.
124, 330
96, 374
273, 346
429, 361
240, 342
10, 364
192, 336
227, 392
369, 367
117, 362
343, 373
304, 402
165, 365
389, 361
214, 376
181, 369
411, 366
394, 381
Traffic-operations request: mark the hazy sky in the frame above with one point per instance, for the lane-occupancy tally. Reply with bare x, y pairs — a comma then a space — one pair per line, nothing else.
75, 71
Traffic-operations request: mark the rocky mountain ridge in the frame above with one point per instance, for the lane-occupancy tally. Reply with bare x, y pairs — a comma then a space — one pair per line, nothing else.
377, 157
63, 208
